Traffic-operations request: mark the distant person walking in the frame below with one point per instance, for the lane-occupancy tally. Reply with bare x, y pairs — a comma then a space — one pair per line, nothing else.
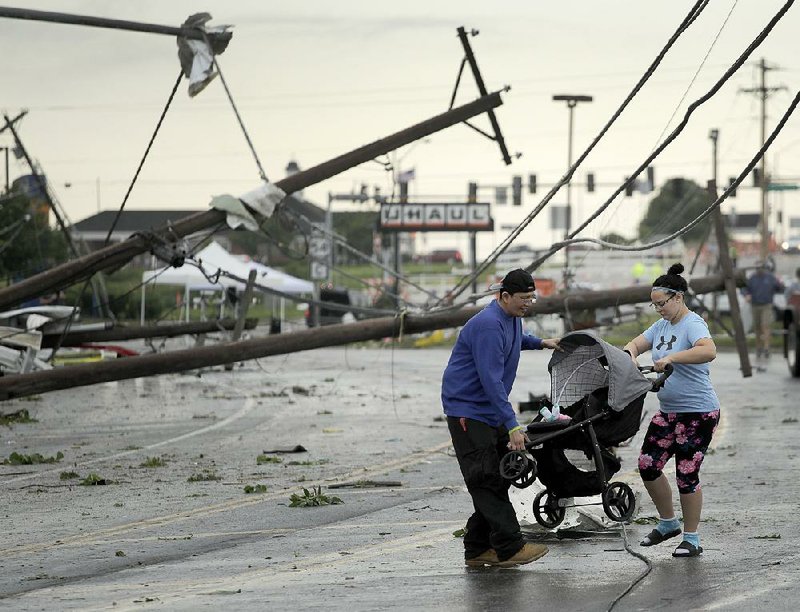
482, 422
689, 412
760, 290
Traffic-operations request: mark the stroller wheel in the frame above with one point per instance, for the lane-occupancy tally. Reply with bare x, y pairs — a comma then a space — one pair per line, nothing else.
528, 478
619, 502
514, 465
547, 511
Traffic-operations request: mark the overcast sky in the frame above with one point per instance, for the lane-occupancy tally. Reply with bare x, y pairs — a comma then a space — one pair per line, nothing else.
318, 78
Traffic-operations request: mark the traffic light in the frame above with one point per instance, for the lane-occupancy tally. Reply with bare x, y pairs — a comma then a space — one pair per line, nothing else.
531, 183
756, 177
500, 195
651, 177
731, 181
590, 182
628, 187
472, 194
516, 191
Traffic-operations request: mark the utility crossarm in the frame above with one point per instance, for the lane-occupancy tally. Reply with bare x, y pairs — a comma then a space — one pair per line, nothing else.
114, 256
20, 385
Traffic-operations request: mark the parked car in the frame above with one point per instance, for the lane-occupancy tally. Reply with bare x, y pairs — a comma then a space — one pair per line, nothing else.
329, 314
791, 245
336, 310
450, 256
791, 334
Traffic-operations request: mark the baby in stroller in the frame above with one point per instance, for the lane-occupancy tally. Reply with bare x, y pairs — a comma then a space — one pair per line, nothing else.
603, 393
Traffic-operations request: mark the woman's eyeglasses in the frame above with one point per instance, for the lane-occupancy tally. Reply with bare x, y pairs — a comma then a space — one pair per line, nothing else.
662, 303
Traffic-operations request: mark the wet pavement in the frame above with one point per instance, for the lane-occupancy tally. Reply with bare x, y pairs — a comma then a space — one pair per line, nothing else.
153, 539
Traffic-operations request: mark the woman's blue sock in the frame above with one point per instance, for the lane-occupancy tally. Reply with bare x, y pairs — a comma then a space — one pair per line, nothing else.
692, 538
667, 525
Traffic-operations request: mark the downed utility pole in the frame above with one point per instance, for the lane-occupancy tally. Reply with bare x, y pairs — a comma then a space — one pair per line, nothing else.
114, 256
333, 335
120, 333
728, 272
221, 38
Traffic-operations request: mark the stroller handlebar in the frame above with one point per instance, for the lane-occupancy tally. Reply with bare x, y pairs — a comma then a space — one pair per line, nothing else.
658, 382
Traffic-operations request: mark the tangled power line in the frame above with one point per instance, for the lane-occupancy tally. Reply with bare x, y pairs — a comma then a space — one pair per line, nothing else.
306, 226
693, 14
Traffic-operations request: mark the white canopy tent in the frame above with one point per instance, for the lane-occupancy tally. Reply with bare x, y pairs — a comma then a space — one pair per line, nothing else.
212, 259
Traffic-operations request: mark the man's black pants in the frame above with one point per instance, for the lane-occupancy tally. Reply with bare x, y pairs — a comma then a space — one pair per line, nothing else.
494, 524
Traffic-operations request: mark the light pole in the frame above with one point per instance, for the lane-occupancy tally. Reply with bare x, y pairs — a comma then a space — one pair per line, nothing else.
6, 149
329, 228
714, 136
572, 101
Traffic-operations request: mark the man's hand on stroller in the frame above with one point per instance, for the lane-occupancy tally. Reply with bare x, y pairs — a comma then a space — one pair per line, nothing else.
552, 344
517, 440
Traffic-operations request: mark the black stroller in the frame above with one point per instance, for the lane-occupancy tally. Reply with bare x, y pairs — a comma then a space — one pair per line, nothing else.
602, 391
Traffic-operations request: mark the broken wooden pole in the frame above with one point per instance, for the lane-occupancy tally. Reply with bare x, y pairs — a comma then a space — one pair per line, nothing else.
120, 333
114, 256
318, 337
244, 304
730, 285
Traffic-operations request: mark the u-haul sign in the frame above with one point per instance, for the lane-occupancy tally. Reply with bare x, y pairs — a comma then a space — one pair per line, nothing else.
435, 217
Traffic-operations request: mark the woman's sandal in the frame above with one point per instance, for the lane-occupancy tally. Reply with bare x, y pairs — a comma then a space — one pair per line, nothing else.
656, 537
687, 549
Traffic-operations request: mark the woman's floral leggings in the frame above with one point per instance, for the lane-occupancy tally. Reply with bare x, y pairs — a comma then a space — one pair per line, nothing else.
685, 435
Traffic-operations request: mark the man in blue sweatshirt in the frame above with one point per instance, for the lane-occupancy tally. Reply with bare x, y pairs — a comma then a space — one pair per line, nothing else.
482, 422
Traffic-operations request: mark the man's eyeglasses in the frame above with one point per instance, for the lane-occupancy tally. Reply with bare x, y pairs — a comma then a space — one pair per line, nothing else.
527, 300
662, 303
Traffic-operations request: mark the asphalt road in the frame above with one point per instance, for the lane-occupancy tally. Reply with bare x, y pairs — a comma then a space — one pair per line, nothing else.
152, 539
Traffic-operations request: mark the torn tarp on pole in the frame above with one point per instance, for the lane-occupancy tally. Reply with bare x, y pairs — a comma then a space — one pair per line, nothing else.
197, 55
239, 212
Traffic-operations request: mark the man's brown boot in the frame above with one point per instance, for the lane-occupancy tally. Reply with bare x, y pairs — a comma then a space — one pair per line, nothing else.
529, 552
487, 557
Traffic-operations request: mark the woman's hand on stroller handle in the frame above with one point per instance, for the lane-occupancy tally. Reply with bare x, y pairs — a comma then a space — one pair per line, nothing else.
648, 369
662, 364
666, 371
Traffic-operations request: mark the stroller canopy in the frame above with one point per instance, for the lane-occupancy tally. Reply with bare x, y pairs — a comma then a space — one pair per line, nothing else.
588, 363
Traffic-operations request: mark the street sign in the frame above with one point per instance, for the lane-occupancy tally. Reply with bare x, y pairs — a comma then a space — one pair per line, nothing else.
783, 187
319, 270
319, 247
435, 217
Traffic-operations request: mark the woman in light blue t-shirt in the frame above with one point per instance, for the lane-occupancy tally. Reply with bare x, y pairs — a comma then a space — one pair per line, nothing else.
689, 413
